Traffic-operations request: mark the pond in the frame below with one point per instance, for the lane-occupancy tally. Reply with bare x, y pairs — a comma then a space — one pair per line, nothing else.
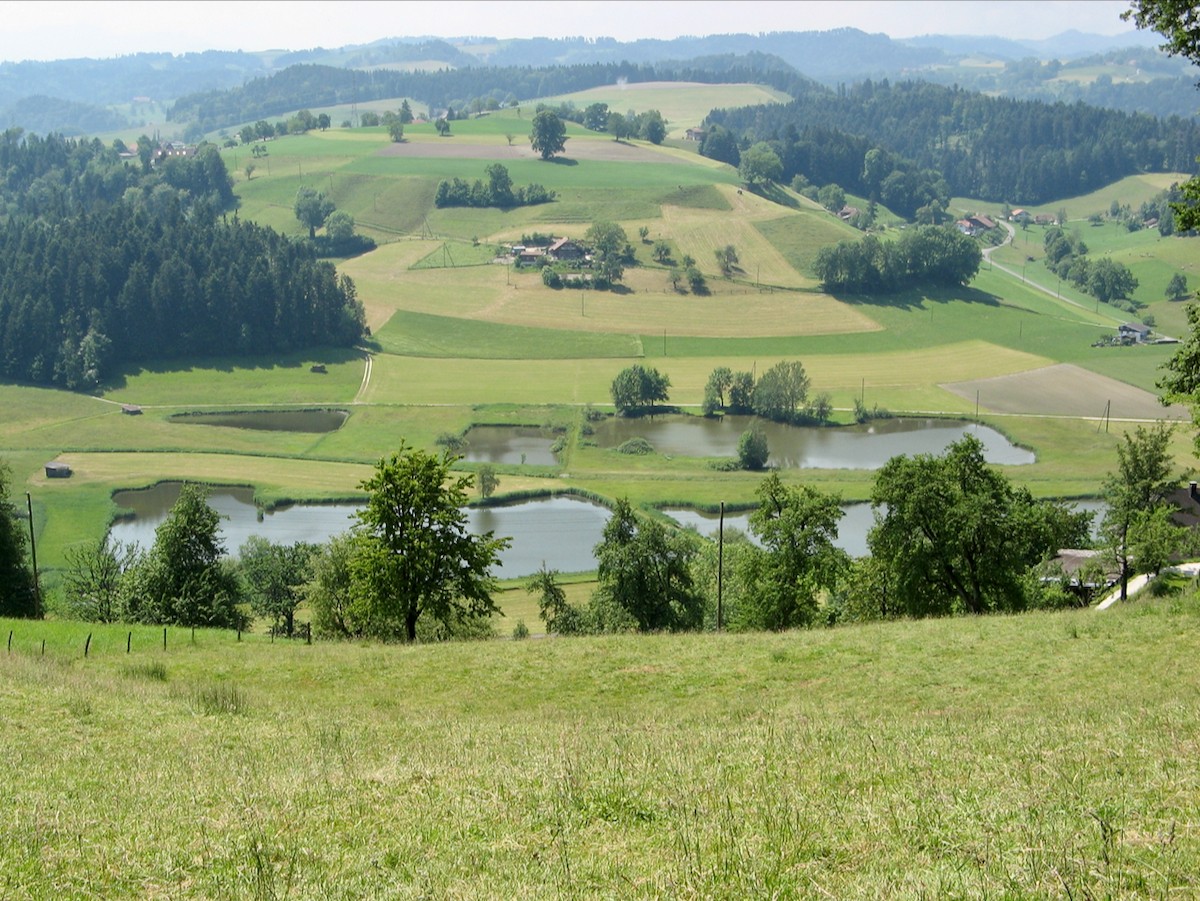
562, 531
867, 446
314, 421
509, 444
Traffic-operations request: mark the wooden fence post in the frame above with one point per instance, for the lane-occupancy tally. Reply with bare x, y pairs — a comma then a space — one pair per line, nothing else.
43, 647
87, 644
10, 641
128, 642
164, 638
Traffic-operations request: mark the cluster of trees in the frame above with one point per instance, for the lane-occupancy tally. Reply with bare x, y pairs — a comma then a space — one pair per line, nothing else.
779, 394
649, 125
301, 122
54, 177
639, 389
497, 191
316, 210
1107, 280
995, 148
925, 256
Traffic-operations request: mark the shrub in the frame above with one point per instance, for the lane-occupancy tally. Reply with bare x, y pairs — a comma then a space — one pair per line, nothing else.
520, 630
638, 446
551, 279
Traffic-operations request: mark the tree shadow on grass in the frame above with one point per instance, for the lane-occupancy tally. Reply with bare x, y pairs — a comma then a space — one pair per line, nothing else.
562, 161
916, 298
323, 356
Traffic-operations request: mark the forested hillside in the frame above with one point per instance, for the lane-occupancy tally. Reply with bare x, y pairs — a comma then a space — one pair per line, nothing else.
307, 86
989, 147
104, 262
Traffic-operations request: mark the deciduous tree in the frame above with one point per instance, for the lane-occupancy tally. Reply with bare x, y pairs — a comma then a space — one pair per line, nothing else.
416, 556
548, 134
181, 580
312, 208
644, 572
1143, 480
797, 526
954, 536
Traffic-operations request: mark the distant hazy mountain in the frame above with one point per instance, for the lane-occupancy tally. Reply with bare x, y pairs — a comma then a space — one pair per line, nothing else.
1066, 46
86, 95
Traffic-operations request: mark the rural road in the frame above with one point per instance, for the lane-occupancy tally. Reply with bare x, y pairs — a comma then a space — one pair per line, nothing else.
1012, 233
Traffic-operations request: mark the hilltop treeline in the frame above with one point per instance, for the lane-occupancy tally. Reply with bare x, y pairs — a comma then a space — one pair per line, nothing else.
313, 85
989, 147
103, 263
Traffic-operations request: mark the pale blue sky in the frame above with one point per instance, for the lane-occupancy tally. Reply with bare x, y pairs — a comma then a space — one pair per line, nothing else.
101, 29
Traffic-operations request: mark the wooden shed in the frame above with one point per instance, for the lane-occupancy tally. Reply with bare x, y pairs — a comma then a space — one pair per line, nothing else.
58, 471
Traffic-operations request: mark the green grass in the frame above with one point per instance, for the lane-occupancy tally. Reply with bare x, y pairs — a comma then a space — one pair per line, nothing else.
1031, 756
420, 334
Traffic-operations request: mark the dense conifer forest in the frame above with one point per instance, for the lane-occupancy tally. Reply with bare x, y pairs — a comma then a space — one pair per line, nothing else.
106, 262
989, 147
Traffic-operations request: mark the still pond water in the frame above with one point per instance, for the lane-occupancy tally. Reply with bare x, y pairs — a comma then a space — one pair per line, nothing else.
561, 531
797, 447
313, 421
791, 447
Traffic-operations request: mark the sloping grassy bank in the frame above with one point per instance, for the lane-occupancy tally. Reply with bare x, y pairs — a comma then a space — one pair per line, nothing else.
1039, 755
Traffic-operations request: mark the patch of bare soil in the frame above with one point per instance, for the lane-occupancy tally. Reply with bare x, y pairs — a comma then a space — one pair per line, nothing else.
1065, 390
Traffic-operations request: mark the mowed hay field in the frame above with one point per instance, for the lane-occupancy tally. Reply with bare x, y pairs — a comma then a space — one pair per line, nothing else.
1028, 756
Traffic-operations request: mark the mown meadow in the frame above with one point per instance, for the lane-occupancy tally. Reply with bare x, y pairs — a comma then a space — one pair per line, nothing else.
1042, 755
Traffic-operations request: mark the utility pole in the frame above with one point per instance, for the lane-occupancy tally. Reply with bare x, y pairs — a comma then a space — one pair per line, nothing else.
720, 563
37, 591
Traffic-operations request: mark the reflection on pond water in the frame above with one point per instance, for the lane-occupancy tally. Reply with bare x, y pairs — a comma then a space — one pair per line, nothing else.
315, 421
562, 531
509, 444
809, 447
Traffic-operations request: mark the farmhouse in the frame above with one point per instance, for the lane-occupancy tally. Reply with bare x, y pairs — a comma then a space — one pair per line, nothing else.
1081, 570
847, 213
131, 409
1133, 332
565, 249
695, 134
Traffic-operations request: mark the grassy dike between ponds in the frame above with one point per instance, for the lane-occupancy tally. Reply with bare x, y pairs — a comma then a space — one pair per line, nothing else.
1044, 755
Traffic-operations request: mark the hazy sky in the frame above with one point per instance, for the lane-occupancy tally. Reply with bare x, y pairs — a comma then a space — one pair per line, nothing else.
60, 30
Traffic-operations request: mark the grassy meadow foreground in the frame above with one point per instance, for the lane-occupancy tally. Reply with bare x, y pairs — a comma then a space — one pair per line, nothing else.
1043, 755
